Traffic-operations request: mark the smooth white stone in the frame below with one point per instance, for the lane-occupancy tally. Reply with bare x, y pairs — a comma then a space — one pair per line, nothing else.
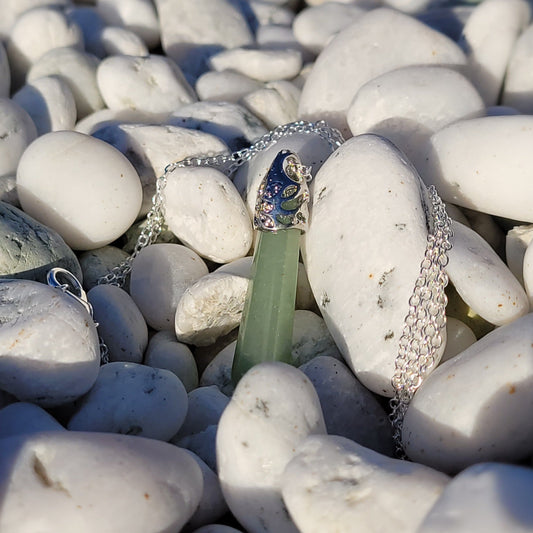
17, 131
120, 41
449, 19
138, 16
5, 73
311, 338
334, 484
202, 444
48, 344
489, 36
231, 122
409, 104
212, 505
458, 338
498, 110
486, 227
364, 50
50, 104
275, 104
484, 497
261, 65
483, 280
91, 25
363, 293
133, 399
98, 263
36, 32
311, 149
267, 12
225, 86
516, 243
151, 148
350, 410
11, 9
120, 323
21, 418
314, 27
276, 37
205, 211
164, 351
528, 272
367, 4
153, 84
456, 213
475, 407
108, 117
217, 528
274, 407
210, 308
78, 70
56, 484
466, 161
518, 83
160, 274
8, 190
192, 30
218, 371
80, 186
206, 405
409, 6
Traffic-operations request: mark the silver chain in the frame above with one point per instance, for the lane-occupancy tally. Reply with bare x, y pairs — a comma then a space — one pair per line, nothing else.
421, 335
155, 218
422, 331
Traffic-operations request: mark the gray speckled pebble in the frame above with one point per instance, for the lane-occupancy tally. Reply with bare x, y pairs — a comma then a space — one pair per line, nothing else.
28, 249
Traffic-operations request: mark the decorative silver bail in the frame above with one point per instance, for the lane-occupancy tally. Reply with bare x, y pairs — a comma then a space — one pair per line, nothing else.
71, 282
283, 195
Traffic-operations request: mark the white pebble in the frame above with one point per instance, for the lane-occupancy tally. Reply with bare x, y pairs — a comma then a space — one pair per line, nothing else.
350, 410
516, 243
5, 73
225, 86
475, 407
120, 41
164, 351
273, 409
409, 104
268, 12
107, 117
133, 399
81, 187
528, 272
483, 280
159, 277
261, 65
365, 49
98, 263
120, 323
78, 70
149, 487
36, 32
91, 24
191, 30
458, 338
478, 499
333, 483
489, 36
49, 102
218, 371
363, 293
21, 418
50, 352
467, 159
17, 131
275, 104
203, 444
138, 16
153, 84
210, 308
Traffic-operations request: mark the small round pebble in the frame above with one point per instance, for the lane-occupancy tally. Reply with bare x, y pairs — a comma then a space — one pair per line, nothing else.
120, 41
98, 263
21, 418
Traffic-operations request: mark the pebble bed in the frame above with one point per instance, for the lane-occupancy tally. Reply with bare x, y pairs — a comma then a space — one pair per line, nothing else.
97, 97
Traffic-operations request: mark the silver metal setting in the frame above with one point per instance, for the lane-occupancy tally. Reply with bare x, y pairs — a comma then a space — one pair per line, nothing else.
283, 195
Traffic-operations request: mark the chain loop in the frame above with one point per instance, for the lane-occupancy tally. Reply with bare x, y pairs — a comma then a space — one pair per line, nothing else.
422, 331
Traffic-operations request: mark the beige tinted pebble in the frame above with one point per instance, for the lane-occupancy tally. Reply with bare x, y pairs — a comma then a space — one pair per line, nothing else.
49, 102
159, 277
78, 70
81, 187
466, 410
153, 84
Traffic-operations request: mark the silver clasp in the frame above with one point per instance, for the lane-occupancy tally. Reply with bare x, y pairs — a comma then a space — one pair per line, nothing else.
72, 287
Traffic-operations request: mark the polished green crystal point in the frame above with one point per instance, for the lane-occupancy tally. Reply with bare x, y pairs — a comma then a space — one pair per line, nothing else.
265, 333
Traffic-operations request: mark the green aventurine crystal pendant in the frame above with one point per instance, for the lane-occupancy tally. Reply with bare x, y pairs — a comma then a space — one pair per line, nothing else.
265, 333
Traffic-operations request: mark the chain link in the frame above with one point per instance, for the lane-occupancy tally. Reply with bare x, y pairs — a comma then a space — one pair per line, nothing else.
422, 331
155, 218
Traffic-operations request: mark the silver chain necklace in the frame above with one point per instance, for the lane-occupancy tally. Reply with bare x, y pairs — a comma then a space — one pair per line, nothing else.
422, 331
